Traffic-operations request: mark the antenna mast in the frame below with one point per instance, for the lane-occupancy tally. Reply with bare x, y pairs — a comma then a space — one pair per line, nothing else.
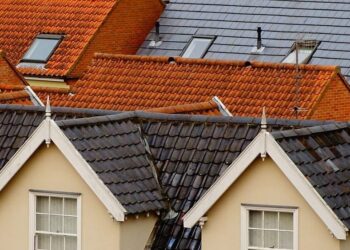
297, 107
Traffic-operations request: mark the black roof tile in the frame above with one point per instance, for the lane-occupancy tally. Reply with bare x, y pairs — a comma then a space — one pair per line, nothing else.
321, 154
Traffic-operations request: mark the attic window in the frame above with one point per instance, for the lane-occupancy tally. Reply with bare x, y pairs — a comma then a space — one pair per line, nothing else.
198, 47
305, 50
42, 48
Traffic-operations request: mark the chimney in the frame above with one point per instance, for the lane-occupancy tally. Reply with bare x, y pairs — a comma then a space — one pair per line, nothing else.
258, 42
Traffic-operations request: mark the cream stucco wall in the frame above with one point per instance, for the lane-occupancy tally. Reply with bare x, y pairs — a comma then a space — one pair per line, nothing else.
262, 184
49, 170
135, 232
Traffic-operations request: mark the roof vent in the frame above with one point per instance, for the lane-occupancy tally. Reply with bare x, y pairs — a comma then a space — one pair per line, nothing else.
157, 39
171, 60
259, 48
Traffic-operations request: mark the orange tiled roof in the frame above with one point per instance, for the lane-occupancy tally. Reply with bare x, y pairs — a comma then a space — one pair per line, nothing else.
123, 82
200, 108
12, 84
22, 20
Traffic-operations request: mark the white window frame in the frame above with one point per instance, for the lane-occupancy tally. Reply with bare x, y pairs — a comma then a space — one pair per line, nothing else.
245, 222
32, 213
210, 43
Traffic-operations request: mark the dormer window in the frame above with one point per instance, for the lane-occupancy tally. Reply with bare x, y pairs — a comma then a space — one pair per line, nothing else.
198, 47
305, 50
42, 48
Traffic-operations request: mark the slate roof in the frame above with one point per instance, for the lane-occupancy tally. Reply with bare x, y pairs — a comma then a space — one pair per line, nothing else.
17, 123
22, 20
234, 24
322, 154
189, 153
124, 82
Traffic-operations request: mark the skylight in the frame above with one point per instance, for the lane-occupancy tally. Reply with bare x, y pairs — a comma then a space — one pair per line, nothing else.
305, 51
42, 48
198, 47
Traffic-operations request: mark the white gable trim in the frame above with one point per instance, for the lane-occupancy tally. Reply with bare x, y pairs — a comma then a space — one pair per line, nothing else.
72, 155
289, 169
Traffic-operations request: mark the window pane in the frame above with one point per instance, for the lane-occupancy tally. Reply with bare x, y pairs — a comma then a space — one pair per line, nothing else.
303, 54
70, 206
57, 242
42, 204
197, 48
70, 225
270, 239
56, 205
286, 240
40, 49
255, 219
42, 222
286, 221
56, 224
270, 220
43, 242
255, 238
71, 243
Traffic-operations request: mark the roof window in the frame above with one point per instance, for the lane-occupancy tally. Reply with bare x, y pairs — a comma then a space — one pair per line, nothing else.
305, 49
42, 48
198, 47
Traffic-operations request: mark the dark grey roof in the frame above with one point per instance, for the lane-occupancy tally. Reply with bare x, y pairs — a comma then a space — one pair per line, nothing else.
322, 154
117, 153
189, 153
234, 23
18, 122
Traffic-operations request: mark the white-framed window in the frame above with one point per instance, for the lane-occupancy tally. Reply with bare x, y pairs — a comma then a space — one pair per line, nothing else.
305, 51
198, 47
265, 227
55, 221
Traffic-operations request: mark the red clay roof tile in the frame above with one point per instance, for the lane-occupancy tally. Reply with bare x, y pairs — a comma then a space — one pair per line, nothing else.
200, 108
22, 20
121, 82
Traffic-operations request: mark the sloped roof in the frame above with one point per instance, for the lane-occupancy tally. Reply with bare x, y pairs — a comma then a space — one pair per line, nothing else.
17, 123
12, 84
123, 82
21, 21
199, 108
234, 24
322, 154
189, 152
116, 152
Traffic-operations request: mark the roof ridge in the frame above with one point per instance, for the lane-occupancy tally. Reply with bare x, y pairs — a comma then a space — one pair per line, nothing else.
333, 126
182, 108
143, 115
31, 108
216, 62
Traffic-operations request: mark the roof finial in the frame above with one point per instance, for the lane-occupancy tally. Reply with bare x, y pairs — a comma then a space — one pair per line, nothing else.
263, 120
48, 108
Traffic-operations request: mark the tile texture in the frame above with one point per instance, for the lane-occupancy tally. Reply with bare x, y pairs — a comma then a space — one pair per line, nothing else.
234, 24
139, 83
22, 20
322, 154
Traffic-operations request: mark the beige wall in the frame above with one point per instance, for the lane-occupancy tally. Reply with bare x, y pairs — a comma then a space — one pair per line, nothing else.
49, 170
345, 245
262, 184
135, 233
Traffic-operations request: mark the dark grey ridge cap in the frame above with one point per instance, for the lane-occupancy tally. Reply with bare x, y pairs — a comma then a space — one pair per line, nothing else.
310, 130
140, 115
27, 108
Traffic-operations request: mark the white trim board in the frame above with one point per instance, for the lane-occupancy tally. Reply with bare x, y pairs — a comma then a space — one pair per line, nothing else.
264, 140
57, 137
